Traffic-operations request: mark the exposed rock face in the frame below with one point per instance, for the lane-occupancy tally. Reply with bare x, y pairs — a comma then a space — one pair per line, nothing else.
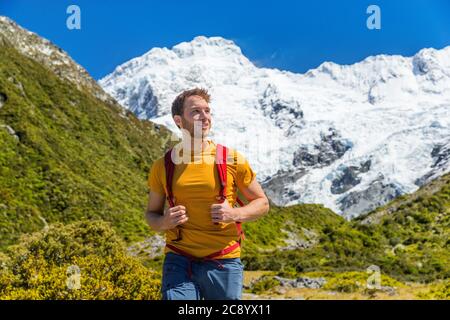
10, 131
331, 148
441, 163
277, 186
286, 114
349, 178
376, 195
295, 242
302, 282
3, 99
151, 247
286, 283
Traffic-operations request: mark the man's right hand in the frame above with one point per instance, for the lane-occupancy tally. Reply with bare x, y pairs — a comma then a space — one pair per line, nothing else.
174, 216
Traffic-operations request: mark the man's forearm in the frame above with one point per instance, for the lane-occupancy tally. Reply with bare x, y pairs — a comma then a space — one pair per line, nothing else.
253, 210
154, 220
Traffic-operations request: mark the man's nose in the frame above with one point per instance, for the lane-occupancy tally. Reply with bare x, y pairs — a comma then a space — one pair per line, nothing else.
203, 115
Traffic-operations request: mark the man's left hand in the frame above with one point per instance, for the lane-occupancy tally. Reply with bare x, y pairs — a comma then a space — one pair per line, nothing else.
223, 212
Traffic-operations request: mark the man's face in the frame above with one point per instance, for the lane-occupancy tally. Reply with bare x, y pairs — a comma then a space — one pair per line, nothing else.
196, 112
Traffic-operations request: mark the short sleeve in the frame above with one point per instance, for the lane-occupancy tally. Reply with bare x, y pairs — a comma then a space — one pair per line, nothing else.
245, 173
155, 178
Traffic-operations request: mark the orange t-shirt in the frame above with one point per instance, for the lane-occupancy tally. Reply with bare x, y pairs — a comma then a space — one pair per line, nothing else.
196, 185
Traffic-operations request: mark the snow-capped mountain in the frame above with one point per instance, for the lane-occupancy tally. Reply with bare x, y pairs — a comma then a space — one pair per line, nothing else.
351, 137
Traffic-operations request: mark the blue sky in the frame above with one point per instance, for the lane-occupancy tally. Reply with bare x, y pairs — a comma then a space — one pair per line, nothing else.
289, 35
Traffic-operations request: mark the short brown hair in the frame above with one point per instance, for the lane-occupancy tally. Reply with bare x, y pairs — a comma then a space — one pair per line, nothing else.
178, 103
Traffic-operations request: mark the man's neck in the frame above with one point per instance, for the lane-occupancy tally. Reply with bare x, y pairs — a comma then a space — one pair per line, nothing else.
196, 146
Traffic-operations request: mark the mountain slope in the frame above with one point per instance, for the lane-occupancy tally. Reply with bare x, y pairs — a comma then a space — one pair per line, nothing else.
67, 155
351, 137
51, 56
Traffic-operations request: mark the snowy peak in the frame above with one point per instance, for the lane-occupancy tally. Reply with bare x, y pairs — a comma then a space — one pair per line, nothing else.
432, 64
380, 67
147, 84
383, 77
214, 48
208, 47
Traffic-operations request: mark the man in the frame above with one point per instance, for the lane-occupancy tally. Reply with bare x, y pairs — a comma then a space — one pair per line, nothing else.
198, 225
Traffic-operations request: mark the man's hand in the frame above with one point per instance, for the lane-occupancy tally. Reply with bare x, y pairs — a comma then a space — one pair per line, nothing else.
223, 212
174, 216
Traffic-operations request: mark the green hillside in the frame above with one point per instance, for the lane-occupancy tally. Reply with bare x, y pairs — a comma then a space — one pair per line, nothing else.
67, 156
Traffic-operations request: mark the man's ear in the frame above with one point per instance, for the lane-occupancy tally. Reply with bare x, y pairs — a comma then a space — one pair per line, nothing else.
178, 121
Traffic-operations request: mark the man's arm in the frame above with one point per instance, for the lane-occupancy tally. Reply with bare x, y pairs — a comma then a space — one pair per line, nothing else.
258, 203
258, 206
159, 220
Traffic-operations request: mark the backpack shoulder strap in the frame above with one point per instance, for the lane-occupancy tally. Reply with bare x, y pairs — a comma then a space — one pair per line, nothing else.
221, 164
170, 168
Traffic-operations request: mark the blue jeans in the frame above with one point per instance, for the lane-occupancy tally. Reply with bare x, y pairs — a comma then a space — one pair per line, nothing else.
207, 280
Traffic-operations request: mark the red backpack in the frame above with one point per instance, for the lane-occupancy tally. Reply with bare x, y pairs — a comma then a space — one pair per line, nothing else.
221, 165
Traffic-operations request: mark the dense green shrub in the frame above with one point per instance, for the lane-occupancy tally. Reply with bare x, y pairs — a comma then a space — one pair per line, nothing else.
264, 284
44, 266
439, 291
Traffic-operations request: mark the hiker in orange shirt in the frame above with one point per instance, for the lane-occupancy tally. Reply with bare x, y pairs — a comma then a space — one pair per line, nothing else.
199, 180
